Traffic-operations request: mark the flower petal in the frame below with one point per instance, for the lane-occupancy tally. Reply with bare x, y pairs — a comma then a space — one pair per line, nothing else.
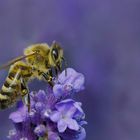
55, 116
64, 105
72, 124
82, 134
20, 115
78, 83
83, 123
62, 78
79, 112
61, 125
53, 136
58, 90
16, 117
41, 95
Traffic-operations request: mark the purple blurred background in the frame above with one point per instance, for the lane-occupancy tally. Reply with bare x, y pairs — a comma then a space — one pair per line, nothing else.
101, 39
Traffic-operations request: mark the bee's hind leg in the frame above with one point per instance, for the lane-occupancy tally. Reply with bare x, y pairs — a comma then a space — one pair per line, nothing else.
25, 91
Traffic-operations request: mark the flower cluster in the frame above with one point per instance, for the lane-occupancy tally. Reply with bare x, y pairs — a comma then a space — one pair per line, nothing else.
54, 115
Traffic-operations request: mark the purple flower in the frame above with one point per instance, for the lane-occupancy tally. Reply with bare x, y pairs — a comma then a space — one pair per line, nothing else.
51, 117
71, 83
65, 113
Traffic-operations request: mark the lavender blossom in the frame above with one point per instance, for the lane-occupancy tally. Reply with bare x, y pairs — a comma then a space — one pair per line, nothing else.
54, 115
69, 83
65, 115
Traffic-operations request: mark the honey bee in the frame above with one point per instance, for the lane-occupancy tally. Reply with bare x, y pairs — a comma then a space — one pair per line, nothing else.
38, 62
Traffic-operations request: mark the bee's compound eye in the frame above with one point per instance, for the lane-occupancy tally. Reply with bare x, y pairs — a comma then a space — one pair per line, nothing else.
55, 53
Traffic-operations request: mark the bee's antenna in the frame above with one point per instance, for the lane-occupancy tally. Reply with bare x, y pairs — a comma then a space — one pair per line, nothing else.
53, 43
65, 65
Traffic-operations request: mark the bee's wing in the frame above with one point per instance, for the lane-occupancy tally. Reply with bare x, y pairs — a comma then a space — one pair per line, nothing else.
15, 60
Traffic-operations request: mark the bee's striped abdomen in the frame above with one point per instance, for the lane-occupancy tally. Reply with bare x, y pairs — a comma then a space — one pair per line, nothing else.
9, 90
12, 88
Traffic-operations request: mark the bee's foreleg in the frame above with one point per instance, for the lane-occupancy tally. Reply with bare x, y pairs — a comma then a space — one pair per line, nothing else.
50, 72
56, 71
48, 78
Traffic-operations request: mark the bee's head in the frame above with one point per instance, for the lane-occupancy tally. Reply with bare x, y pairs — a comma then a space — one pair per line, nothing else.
56, 55
45, 57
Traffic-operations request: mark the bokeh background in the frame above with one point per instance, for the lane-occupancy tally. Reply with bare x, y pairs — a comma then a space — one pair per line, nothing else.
101, 39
